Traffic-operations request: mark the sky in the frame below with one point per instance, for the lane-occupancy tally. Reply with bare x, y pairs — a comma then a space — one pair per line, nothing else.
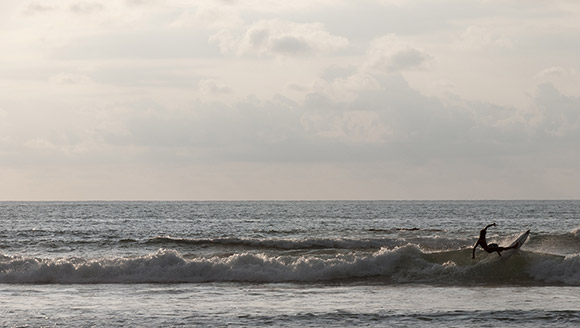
289, 100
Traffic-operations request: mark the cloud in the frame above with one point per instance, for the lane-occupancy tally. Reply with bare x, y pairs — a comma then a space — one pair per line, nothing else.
250, 130
86, 8
75, 7
139, 2
297, 84
70, 79
208, 15
390, 127
389, 122
342, 89
150, 44
560, 114
477, 37
38, 8
553, 71
280, 38
290, 45
211, 87
351, 115
390, 54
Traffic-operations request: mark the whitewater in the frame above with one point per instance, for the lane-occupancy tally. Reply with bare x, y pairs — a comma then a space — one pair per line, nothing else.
327, 263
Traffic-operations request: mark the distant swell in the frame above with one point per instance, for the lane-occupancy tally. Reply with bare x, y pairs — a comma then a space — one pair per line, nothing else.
406, 264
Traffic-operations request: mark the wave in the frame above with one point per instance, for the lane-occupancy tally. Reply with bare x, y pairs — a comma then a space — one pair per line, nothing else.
428, 243
562, 244
407, 264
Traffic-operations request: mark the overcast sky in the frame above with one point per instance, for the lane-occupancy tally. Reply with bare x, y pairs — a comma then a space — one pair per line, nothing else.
302, 99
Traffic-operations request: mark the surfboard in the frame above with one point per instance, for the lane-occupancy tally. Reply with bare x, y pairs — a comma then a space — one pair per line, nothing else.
520, 240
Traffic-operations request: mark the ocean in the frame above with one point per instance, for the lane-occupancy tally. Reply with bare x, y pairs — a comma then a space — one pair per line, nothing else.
288, 264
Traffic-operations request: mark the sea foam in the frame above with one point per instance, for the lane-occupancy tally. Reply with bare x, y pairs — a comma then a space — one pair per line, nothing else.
406, 264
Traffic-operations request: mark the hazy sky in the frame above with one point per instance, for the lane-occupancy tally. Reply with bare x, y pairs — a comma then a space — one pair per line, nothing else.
302, 99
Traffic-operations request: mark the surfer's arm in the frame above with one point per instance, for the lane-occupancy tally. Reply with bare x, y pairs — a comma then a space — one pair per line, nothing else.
474, 247
490, 225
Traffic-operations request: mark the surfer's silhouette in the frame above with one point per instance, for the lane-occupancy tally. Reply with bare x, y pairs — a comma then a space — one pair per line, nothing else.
491, 247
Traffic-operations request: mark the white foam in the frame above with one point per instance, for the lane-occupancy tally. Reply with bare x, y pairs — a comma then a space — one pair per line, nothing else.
399, 265
558, 270
170, 266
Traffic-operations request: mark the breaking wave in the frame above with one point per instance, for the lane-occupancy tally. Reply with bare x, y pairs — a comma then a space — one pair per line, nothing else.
428, 243
406, 264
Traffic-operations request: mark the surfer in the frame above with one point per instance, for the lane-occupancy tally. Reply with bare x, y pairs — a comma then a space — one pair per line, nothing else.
491, 247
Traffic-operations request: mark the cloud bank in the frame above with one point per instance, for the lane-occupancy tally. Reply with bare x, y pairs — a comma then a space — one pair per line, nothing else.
169, 100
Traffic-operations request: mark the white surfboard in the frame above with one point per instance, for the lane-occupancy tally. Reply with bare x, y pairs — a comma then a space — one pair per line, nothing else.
520, 240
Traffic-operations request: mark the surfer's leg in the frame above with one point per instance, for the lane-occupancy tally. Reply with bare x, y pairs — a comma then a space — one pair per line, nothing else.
495, 248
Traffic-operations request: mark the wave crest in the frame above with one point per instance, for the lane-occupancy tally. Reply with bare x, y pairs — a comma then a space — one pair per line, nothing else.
407, 264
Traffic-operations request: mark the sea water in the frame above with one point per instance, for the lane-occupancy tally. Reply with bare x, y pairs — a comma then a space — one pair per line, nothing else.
288, 264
